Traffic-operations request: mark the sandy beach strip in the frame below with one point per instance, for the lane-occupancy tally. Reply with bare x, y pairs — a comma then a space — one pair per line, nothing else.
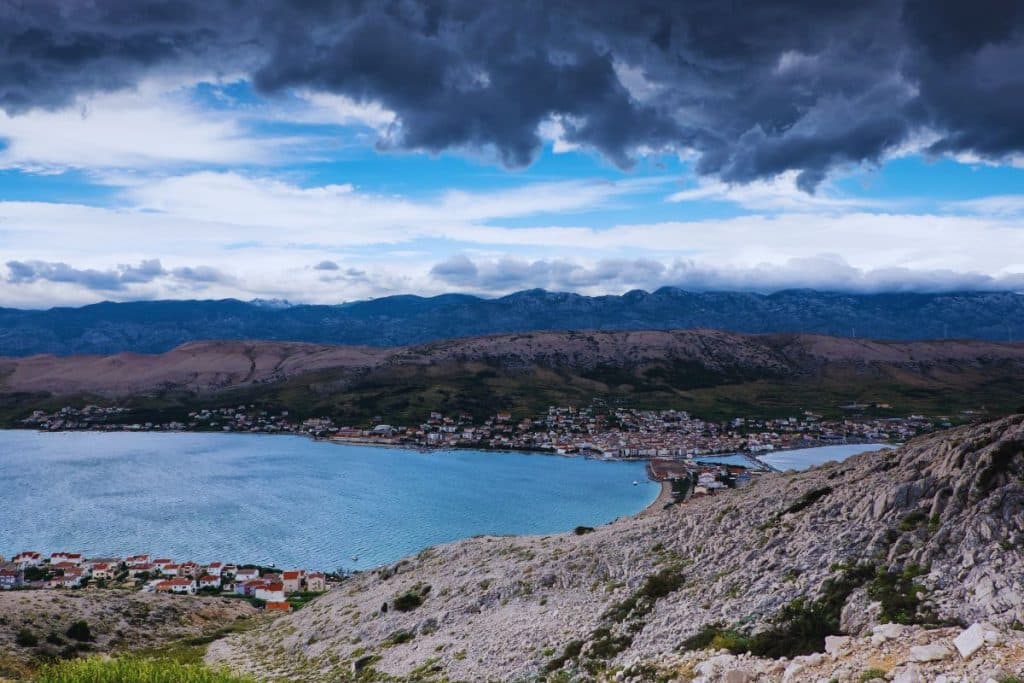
664, 497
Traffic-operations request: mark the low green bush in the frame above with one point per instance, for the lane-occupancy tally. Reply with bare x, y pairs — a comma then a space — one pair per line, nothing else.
808, 499
913, 520
407, 602
26, 638
80, 631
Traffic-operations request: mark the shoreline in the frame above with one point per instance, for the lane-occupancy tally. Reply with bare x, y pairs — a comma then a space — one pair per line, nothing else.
663, 498
422, 448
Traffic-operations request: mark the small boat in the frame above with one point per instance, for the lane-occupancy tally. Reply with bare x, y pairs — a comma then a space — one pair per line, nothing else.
636, 483
355, 558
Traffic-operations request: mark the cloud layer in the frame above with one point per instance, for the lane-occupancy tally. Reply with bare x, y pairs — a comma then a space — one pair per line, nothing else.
750, 89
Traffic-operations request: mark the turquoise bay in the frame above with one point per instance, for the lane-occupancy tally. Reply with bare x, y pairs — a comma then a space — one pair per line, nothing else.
288, 500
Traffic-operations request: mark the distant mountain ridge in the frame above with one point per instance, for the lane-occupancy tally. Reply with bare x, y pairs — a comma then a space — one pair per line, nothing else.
158, 326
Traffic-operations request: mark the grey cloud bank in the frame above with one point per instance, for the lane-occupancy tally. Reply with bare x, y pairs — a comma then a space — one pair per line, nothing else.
827, 273
753, 89
115, 279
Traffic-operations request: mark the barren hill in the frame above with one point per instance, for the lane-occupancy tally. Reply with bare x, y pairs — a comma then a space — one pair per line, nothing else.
703, 370
928, 534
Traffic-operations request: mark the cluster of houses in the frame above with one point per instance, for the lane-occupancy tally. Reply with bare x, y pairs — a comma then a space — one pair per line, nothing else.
597, 430
30, 569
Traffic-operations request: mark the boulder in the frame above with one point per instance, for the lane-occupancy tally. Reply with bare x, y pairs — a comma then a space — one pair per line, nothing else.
738, 676
910, 674
970, 641
793, 672
886, 632
835, 644
934, 652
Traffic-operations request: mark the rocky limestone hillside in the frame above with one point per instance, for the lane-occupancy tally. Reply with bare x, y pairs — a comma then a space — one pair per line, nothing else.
676, 359
930, 534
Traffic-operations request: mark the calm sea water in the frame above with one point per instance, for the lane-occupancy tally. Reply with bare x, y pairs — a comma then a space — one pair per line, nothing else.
804, 458
287, 500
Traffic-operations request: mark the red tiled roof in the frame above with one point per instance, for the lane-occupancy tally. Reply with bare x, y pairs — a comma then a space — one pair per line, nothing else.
283, 606
288, 576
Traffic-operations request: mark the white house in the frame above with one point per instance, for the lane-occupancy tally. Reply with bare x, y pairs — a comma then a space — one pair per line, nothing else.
292, 580
74, 558
271, 592
27, 558
209, 581
243, 575
316, 582
176, 586
102, 570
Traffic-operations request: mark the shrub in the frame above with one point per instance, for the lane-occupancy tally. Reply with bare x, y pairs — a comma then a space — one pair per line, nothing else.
870, 674
80, 631
26, 638
655, 587
913, 520
581, 530
398, 638
571, 651
605, 645
133, 670
898, 593
718, 637
408, 602
808, 499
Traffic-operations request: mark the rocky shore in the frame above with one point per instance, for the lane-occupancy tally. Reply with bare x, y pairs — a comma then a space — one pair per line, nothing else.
927, 538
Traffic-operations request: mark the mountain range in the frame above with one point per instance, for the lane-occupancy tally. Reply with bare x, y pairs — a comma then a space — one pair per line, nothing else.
158, 326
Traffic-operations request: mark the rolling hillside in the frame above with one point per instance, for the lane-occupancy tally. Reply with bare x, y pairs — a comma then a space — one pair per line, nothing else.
708, 372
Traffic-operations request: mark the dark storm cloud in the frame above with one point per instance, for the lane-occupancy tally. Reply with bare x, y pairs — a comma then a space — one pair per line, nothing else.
752, 88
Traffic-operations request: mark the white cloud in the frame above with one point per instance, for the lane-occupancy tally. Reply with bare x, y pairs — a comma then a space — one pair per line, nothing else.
998, 205
777, 194
265, 237
140, 130
341, 110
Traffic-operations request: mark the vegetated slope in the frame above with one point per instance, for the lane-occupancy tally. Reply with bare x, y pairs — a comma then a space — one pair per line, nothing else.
158, 326
707, 371
931, 533
34, 624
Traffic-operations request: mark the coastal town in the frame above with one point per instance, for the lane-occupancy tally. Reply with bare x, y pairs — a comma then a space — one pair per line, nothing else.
597, 430
266, 587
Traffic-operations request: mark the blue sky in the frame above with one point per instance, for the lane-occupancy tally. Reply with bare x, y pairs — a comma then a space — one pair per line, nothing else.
221, 192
